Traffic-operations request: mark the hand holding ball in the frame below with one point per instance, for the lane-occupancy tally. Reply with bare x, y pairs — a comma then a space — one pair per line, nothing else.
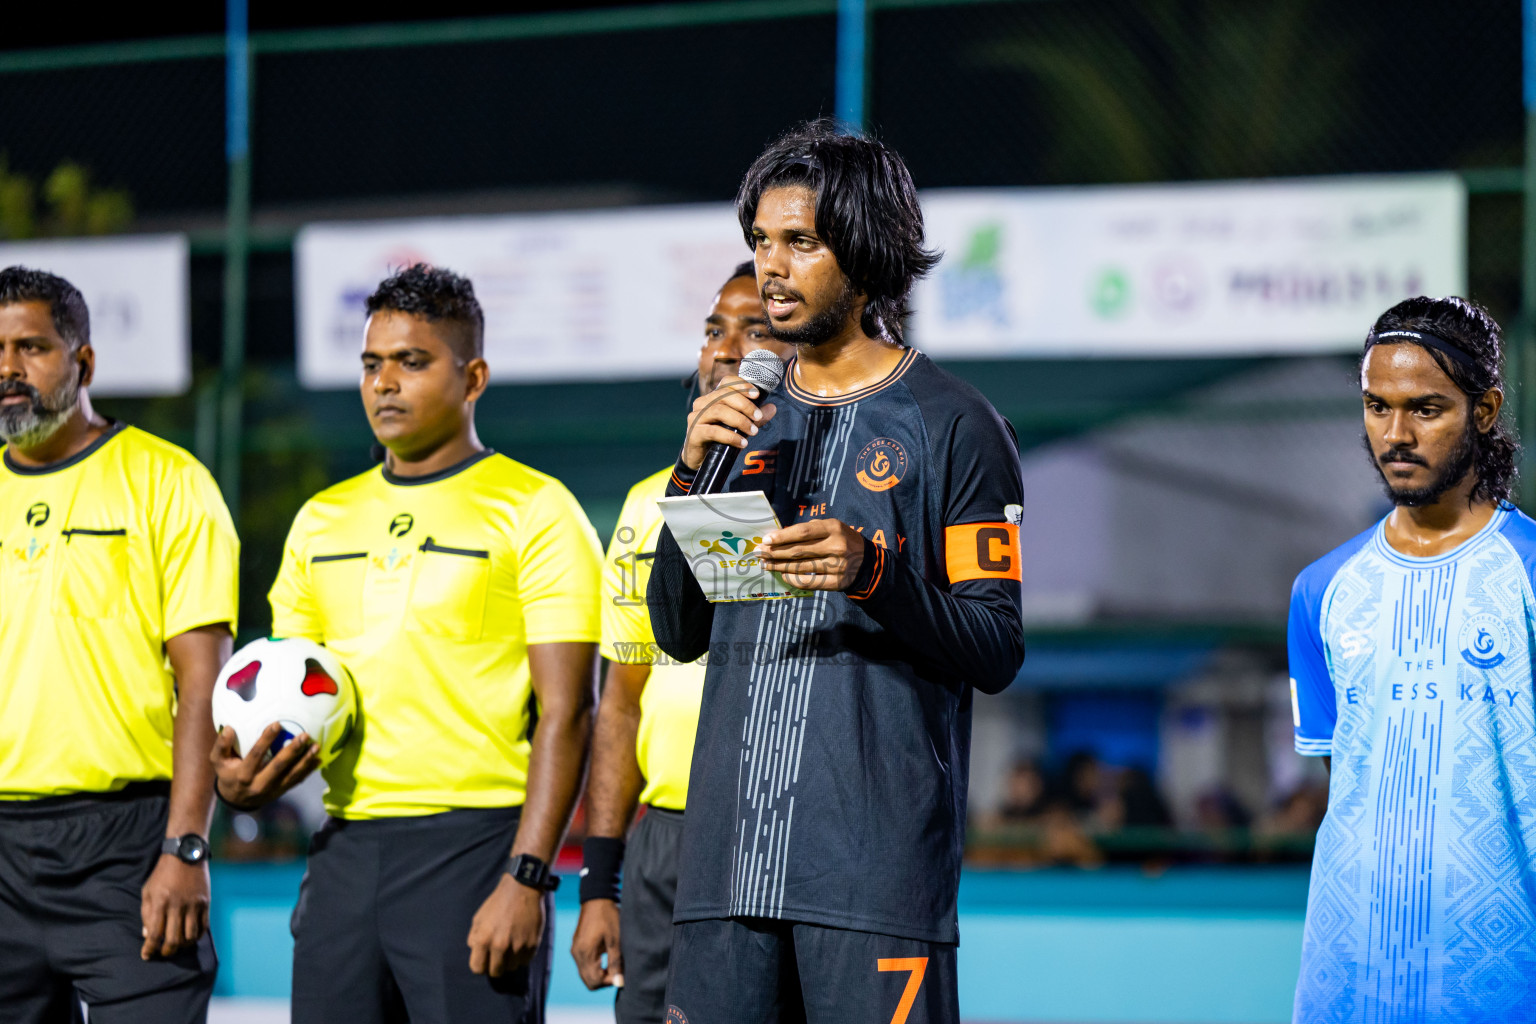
296, 683
270, 693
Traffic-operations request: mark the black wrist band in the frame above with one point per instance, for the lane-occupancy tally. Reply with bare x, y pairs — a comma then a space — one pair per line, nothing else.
602, 859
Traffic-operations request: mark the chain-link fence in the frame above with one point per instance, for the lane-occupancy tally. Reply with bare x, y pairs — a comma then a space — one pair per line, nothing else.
670, 104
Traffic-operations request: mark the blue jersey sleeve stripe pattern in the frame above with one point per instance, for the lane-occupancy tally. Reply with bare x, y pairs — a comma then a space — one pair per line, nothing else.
1520, 531
1313, 748
1312, 685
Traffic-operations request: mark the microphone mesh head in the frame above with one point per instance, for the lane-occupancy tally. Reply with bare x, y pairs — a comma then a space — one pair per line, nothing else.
763, 368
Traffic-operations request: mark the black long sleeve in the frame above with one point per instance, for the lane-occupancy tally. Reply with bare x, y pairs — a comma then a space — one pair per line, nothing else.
974, 636
973, 631
830, 765
681, 617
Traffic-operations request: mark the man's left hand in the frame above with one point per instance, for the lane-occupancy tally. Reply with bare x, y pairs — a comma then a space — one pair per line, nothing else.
506, 929
819, 554
174, 906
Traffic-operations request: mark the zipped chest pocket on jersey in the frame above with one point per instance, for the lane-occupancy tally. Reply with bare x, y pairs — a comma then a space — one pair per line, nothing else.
92, 572
448, 591
336, 580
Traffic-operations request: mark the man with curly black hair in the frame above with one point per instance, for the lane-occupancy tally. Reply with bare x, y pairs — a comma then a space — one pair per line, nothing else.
460, 589
1411, 674
821, 851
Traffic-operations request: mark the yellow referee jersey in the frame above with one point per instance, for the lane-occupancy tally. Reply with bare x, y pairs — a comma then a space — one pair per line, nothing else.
430, 589
669, 704
103, 556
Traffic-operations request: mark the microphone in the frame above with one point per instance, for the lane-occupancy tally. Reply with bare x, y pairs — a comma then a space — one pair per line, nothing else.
763, 370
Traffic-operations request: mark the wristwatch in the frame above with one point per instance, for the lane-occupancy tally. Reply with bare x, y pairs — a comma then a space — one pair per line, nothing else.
532, 872
189, 849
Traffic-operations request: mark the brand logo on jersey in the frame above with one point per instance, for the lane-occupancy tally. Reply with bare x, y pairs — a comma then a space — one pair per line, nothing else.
760, 462
37, 515
401, 524
881, 464
1484, 641
1354, 642
1013, 515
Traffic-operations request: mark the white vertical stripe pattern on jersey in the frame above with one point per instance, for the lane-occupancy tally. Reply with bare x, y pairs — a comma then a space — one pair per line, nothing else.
842, 426
780, 672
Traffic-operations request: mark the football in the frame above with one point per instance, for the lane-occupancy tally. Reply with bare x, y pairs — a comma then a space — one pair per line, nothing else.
296, 683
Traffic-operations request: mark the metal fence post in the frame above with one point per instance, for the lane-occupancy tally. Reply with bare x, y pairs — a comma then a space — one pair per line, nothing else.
236, 246
852, 62
1520, 356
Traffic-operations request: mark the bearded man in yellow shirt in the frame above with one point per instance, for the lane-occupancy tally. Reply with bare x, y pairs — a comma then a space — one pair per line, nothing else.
646, 721
118, 566
460, 589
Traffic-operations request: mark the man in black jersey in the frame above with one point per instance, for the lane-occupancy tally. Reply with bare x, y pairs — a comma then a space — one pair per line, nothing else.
821, 852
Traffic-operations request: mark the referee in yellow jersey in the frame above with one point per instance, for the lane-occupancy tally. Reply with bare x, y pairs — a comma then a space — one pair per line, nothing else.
118, 566
460, 588
646, 721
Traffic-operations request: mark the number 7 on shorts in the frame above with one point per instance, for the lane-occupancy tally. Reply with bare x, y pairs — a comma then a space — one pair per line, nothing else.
917, 965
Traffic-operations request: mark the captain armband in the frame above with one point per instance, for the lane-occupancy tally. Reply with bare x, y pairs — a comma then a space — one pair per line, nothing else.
982, 551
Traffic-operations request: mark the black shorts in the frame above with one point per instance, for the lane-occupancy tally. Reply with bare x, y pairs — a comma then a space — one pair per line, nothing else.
72, 872
763, 971
645, 916
382, 924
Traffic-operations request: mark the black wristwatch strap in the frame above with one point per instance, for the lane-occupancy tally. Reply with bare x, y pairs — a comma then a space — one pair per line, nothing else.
532, 872
189, 849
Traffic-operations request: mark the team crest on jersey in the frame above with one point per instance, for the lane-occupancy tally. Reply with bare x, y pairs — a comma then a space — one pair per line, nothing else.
32, 550
881, 464
675, 1016
391, 560
1484, 641
37, 514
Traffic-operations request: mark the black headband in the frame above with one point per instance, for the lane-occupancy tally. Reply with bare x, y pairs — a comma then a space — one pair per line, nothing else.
805, 158
1434, 341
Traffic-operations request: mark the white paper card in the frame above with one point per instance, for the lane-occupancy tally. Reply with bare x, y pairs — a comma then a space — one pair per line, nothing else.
718, 534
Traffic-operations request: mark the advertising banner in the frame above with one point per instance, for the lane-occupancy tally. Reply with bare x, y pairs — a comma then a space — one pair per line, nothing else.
1262, 267
1184, 270
567, 296
136, 289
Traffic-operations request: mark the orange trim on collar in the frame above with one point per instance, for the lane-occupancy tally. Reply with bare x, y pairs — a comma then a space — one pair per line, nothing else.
805, 396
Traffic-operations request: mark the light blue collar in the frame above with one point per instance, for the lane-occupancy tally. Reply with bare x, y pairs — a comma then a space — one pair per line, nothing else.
1391, 554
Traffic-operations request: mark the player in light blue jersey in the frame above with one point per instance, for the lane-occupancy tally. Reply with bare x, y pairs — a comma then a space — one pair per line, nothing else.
1410, 652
